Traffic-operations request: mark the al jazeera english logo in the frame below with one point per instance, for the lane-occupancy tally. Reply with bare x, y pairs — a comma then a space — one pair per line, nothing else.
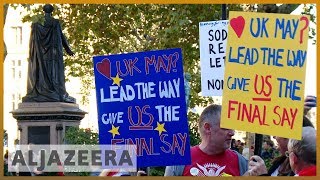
72, 158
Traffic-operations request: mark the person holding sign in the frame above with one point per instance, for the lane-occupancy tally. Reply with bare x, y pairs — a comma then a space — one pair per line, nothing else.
309, 102
280, 166
213, 156
301, 156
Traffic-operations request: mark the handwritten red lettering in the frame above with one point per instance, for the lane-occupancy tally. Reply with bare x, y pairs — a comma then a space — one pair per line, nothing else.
249, 112
285, 115
130, 64
265, 91
140, 125
147, 62
118, 65
162, 139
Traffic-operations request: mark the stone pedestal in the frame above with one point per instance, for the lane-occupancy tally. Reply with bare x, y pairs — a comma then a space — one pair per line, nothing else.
46, 123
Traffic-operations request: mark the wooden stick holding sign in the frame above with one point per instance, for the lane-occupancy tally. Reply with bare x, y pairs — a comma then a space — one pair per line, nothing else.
250, 144
258, 144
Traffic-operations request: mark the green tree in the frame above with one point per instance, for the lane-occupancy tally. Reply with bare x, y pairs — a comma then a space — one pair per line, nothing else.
5, 138
80, 136
95, 29
5, 162
5, 9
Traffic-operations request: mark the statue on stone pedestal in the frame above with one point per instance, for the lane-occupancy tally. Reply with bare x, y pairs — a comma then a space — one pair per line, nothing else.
46, 79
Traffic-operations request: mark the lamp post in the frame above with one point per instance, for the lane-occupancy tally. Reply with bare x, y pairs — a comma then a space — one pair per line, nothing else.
223, 11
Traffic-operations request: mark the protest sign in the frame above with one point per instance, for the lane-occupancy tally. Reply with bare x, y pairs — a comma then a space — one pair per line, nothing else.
141, 101
213, 38
265, 73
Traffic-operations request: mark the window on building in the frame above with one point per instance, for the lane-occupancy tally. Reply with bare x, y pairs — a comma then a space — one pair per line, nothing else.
17, 34
16, 69
13, 71
13, 105
13, 100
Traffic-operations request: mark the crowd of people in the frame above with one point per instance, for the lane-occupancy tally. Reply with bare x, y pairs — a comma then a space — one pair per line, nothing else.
214, 157
237, 145
218, 154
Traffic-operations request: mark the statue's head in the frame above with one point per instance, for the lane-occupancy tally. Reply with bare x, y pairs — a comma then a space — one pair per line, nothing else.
48, 8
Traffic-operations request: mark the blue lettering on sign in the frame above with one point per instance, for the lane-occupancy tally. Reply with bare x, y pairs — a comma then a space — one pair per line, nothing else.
289, 88
261, 27
286, 28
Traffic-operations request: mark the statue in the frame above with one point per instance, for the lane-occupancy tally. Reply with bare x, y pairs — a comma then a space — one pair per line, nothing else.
46, 79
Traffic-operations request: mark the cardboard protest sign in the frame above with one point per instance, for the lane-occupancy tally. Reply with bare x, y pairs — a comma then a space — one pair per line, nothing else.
265, 73
141, 101
213, 40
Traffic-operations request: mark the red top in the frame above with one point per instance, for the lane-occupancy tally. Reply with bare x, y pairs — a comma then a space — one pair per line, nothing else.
112, 173
202, 164
115, 172
309, 171
61, 169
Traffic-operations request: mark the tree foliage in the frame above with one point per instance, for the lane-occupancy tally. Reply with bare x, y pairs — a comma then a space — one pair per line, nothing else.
96, 29
5, 138
80, 136
5, 9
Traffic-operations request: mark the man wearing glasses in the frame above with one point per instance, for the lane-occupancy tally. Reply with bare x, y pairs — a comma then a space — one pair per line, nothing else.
280, 165
302, 153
